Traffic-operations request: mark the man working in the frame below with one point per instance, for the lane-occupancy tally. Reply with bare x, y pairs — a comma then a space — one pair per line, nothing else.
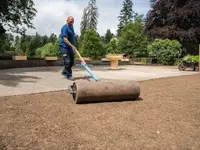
66, 47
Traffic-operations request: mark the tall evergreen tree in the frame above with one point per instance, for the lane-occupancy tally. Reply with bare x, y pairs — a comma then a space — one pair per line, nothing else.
89, 19
177, 19
126, 14
92, 15
84, 21
108, 36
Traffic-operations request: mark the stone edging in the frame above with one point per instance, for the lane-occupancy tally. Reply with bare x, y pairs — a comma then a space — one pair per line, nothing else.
6, 64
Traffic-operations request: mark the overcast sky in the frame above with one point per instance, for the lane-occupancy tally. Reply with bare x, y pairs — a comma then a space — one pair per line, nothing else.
52, 14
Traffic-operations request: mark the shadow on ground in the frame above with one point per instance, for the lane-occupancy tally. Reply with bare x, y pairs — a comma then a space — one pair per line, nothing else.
113, 101
13, 80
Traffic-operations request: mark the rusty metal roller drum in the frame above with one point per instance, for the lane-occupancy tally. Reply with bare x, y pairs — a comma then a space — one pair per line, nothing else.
104, 91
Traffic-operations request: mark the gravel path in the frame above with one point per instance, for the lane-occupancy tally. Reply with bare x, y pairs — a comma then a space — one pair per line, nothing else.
167, 117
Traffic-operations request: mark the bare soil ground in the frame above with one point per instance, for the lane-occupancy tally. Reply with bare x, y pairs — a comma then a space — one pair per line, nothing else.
167, 117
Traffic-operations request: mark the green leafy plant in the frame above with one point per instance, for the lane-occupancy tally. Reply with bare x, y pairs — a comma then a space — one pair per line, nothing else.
195, 58
92, 45
166, 51
111, 47
143, 60
191, 58
47, 50
132, 39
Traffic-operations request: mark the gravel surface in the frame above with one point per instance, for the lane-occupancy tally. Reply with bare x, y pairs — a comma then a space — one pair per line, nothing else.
166, 117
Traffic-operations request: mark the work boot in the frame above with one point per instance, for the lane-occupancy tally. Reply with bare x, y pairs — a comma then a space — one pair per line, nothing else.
64, 73
70, 78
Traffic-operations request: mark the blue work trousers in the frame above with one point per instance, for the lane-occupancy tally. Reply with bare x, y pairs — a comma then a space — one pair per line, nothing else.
68, 58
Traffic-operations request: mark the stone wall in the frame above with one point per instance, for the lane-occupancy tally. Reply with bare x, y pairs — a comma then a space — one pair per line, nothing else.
6, 64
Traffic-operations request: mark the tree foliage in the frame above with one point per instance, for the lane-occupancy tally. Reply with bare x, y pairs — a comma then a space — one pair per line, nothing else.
165, 51
14, 14
24, 45
112, 46
90, 16
92, 12
133, 40
6, 44
84, 20
108, 36
47, 50
126, 14
177, 19
92, 45
89, 19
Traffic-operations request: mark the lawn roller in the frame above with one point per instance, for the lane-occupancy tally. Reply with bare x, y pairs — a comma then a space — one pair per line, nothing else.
83, 91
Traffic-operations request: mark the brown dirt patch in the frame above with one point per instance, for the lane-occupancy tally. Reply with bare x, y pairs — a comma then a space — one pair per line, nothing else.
168, 117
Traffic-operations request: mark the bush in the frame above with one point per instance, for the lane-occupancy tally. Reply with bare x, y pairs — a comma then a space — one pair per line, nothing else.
47, 50
178, 61
111, 47
190, 58
38, 52
195, 59
56, 48
166, 51
144, 60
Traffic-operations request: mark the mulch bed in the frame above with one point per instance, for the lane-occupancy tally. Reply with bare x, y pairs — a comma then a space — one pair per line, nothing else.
166, 117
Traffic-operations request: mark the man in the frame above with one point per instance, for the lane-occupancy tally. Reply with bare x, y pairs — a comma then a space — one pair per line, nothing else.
67, 48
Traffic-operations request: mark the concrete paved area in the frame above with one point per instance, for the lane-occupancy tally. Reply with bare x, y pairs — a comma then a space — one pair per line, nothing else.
43, 79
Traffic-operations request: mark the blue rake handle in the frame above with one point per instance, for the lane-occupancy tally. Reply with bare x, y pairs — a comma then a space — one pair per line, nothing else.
83, 63
89, 71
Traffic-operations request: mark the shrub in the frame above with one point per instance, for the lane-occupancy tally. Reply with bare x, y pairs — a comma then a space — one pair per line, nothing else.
111, 47
190, 58
144, 60
47, 50
195, 58
166, 51
178, 61
38, 52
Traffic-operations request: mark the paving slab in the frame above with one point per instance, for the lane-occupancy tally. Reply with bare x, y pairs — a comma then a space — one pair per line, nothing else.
44, 79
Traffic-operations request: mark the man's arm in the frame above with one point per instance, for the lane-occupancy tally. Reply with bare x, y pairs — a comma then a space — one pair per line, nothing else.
67, 42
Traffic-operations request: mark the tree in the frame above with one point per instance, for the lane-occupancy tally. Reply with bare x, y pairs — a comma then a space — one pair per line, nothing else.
108, 36
84, 21
45, 39
126, 14
52, 38
6, 44
34, 43
92, 11
89, 19
18, 50
90, 16
133, 40
177, 19
16, 13
92, 45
